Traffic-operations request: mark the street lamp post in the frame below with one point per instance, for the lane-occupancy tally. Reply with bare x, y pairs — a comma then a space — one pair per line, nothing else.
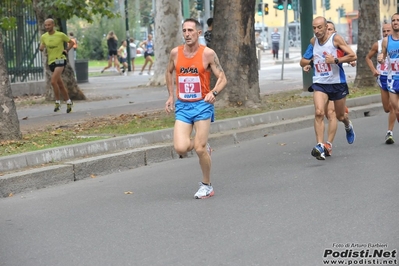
306, 17
129, 64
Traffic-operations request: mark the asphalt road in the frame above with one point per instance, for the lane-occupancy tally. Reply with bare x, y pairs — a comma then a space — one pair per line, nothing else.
274, 204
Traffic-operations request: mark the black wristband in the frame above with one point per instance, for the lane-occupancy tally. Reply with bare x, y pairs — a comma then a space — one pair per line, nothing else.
311, 63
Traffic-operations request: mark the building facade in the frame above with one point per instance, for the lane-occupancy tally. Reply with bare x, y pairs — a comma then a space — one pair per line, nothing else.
343, 13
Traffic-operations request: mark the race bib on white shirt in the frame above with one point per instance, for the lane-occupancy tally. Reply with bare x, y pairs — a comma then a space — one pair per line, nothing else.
190, 88
322, 69
394, 64
383, 68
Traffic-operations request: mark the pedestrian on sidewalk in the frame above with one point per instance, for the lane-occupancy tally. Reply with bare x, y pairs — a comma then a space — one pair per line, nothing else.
53, 41
148, 46
133, 52
75, 44
208, 32
381, 73
193, 64
258, 41
329, 81
122, 54
275, 37
112, 43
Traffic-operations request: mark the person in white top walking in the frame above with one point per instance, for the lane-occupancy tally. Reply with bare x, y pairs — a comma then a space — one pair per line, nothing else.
133, 51
275, 36
122, 53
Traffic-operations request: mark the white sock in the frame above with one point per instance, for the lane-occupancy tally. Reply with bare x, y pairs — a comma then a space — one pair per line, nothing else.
69, 101
57, 101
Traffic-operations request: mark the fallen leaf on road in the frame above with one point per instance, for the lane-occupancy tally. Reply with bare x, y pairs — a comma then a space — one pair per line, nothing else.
93, 176
37, 145
283, 144
128, 192
25, 118
56, 132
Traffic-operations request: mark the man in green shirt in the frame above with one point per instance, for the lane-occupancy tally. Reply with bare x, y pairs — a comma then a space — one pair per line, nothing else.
54, 41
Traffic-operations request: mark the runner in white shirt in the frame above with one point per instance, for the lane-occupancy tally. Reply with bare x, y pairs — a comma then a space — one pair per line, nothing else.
381, 72
329, 81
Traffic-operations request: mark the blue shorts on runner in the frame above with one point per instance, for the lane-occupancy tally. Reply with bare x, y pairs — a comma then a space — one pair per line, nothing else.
382, 82
190, 112
334, 91
393, 86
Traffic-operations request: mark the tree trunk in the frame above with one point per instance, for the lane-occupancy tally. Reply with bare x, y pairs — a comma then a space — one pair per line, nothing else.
168, 20
368, 33
68, 76
233, 39
9, 124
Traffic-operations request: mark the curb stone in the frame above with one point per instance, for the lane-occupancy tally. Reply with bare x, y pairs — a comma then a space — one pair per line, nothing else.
72, 163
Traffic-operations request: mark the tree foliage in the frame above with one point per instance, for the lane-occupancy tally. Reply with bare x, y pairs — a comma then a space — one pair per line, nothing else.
7, 20
87, 10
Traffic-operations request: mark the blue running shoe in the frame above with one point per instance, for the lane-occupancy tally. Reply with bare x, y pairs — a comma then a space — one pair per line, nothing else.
350, 134
318, 152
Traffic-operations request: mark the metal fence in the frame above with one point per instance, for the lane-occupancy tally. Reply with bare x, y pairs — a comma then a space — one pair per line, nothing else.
21, 46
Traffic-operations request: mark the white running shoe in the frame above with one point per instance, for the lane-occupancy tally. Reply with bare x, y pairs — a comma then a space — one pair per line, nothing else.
389, 138
204, 191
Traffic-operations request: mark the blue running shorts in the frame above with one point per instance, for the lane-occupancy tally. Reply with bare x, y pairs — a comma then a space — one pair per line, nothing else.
393, 86
190, 112
382, 82
334, 91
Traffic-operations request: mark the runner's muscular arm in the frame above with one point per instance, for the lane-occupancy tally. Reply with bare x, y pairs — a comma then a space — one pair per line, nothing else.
169, 80
70, 45
217, 71
373, 51
340, 43
306, 61
381, 58
42, 46
141, 45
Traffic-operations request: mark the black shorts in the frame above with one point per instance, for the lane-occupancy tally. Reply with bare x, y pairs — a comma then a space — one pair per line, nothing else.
335, 91
57, 64
112, 52
148, 54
